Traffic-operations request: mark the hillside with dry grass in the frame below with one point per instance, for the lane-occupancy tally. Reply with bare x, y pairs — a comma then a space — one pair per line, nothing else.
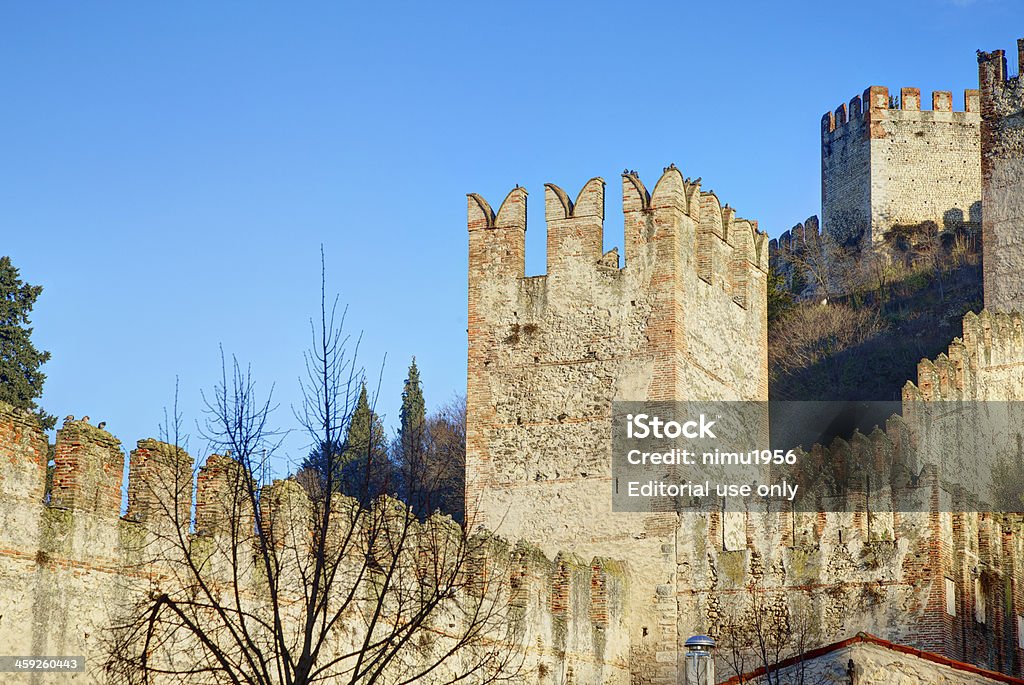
860, 332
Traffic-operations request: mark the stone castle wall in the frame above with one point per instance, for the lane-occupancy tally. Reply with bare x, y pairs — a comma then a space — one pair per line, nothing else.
549, 354
909, 560
72, 567
1002, 164
883, 167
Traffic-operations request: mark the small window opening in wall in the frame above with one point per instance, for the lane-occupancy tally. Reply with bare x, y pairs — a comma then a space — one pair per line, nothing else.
840, 537
950, 597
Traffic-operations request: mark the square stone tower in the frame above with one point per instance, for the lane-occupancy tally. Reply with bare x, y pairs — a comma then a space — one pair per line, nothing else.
883, 167
1002, 168
684, 319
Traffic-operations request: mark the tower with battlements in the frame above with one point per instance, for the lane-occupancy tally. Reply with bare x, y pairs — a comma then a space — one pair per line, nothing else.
683, 318
883, 167
1002, 170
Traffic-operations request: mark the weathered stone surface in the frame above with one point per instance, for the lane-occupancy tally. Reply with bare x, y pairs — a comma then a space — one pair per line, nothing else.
884, 167
1002, 164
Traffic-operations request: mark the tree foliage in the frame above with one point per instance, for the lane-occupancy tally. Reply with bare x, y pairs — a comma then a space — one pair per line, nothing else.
780, 299
411, 433
360, 462
430, 452
21, 380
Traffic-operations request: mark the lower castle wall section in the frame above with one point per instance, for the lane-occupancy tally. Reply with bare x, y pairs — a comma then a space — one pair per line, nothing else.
68, 574
921, 586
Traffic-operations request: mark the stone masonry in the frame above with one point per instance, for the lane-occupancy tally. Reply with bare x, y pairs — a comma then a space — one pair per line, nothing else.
883, 167
684, 317
1002, 167
71, 566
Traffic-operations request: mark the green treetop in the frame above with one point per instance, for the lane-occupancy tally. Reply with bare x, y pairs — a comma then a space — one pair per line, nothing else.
412, 415
365, 432
21, 381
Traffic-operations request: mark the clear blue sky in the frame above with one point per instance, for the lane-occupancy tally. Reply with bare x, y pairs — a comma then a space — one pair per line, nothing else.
170, 169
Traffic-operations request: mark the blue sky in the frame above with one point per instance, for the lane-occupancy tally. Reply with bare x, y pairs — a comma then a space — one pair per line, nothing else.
170, 170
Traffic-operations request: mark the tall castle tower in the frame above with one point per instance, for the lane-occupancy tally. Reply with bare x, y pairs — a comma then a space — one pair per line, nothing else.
1002, 168
883, 167
684, 318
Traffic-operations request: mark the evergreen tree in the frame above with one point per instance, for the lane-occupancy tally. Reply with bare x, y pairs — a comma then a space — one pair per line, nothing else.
21, 381
360, 463
412, 416
415, 485
780, 299
365, 437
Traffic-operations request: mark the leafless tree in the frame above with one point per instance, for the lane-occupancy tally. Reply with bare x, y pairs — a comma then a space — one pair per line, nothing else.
280, 584
824, 263
764, 630
446, 456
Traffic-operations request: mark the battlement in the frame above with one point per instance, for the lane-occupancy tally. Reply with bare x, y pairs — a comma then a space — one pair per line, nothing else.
720, 247
874, 103
800, 238
1002, 95
991, 342
88, 469
993, 68
885, 457
986, 364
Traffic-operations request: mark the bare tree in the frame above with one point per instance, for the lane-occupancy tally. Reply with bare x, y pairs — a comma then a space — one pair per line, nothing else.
809, 349
280, 584
446, 457
764, 639
822, 262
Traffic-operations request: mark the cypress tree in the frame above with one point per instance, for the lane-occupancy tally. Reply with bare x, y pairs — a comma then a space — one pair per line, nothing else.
364, 439
412, 416
415, 481
365, 435
21, 381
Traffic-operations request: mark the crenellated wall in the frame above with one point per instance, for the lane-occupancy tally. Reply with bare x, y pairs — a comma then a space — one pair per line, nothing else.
72, 567
791, 252
884, 167
1002, 167
910, 558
